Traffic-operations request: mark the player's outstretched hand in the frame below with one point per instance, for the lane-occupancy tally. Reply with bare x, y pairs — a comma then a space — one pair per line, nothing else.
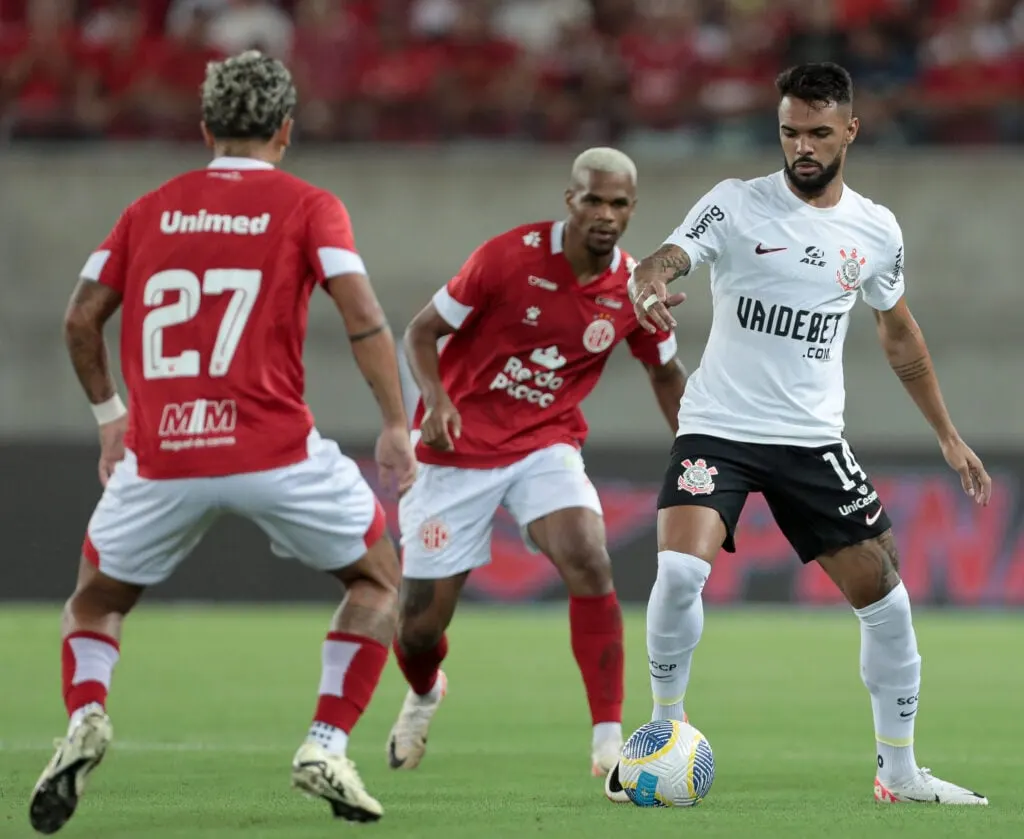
396, 462
651, 303
975, 480
111, 447
441, 425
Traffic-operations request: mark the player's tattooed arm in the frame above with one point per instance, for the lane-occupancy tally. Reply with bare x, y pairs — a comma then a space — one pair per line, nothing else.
671, 261
90, 307
372, 343
908, 355
648, 287
909, 358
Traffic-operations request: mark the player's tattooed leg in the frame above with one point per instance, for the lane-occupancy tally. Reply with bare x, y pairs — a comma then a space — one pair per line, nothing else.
865, 572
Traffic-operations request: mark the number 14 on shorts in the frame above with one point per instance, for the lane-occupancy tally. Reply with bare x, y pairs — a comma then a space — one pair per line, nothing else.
853, 473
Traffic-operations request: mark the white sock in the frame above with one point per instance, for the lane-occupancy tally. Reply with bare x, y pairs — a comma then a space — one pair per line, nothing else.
333, 739
605, 731
675, 620
891, 669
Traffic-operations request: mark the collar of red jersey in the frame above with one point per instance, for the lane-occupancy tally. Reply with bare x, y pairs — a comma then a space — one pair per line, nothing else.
558, 230
239, 163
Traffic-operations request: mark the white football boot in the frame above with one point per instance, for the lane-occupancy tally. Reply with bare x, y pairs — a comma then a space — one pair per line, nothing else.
407, 742
334, 778
604, 755
613, 790
924, 788
62, 783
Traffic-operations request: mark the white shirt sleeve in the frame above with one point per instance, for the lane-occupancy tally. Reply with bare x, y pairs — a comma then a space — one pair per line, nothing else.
705, 230
885, 286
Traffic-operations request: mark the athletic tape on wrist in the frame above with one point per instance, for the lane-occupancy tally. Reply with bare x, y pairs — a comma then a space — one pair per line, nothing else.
112, 409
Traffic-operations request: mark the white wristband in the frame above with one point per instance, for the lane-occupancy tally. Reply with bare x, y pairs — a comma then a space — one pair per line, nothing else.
112, 409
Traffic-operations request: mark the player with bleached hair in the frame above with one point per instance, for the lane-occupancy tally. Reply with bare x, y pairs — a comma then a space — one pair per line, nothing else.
532, 318
213, 272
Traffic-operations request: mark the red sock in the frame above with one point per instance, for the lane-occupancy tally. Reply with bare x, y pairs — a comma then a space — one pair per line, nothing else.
421, 670
87, 666
351, 670
595, 624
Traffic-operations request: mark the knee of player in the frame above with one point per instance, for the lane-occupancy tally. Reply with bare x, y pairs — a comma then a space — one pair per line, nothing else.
585, 563
682, 575
99, 597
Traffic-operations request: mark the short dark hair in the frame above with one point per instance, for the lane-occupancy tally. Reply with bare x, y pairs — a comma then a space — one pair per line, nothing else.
823, 83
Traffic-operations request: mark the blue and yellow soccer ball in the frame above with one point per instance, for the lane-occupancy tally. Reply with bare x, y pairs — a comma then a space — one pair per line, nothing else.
666, 764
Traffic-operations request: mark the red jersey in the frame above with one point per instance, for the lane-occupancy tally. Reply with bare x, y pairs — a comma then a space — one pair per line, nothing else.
529, 346
215, 269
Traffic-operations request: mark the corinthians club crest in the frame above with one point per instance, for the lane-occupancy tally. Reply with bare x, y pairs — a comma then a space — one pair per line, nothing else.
697, 477
849, 274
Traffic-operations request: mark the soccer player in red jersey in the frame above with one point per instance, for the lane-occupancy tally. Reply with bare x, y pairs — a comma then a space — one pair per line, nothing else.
533, 316
214, 271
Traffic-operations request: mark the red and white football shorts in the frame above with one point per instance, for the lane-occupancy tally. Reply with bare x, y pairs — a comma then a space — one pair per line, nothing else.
320, 511
447, 515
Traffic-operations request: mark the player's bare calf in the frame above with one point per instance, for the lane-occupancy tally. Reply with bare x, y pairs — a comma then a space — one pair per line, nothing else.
425, 611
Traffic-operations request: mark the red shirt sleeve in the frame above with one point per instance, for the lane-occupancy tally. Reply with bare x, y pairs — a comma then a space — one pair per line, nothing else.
108, 264
473, 287
330, 244
654, 348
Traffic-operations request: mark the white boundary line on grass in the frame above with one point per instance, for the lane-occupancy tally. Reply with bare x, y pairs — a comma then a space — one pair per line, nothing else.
17, 746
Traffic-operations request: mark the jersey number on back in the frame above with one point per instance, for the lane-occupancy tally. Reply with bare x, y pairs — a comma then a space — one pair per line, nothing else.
244, 284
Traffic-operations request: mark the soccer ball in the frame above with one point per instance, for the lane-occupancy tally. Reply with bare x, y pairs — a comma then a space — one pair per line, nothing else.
666, 763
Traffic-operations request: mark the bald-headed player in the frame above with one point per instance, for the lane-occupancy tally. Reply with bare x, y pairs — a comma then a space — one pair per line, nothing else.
790, 254
532, 317
213, 272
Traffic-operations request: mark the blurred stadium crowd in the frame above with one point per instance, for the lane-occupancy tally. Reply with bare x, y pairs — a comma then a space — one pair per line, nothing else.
680, 73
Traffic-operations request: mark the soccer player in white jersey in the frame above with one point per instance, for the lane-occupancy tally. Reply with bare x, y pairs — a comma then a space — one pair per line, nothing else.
789, 254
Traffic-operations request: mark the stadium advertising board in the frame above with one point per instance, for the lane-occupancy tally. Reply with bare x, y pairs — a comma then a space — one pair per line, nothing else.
953, 553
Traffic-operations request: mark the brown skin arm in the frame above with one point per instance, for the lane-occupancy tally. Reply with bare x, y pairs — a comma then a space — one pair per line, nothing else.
908, 355
91, 306
421, 337
668, 382
372, 344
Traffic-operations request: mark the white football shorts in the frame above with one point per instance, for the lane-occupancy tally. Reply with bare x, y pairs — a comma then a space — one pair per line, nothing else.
446, 517
320, 511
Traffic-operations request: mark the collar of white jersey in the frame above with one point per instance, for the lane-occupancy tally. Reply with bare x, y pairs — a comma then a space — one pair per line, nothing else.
239, 163
558, 230
798, 202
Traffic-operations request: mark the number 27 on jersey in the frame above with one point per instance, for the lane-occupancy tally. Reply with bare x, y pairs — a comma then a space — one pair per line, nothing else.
244, 285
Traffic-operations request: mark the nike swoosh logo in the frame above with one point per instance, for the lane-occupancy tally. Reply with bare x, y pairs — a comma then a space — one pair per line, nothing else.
761, 249
873, 517
659, 676
907, 713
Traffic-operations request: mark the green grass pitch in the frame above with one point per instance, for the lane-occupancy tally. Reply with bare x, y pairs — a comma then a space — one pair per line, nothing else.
209, 705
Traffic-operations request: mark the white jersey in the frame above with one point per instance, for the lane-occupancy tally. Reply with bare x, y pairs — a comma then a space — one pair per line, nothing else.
784, 277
